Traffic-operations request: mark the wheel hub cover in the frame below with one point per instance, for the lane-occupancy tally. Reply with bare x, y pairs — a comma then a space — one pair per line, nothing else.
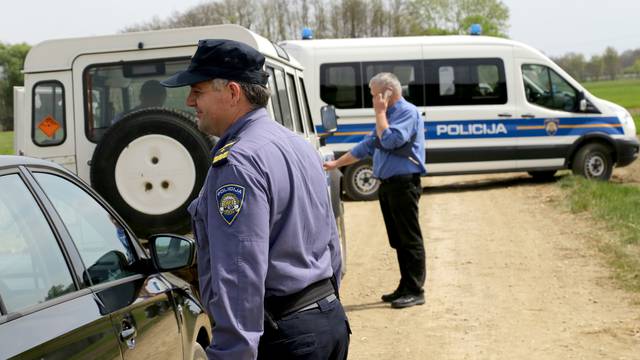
155, 174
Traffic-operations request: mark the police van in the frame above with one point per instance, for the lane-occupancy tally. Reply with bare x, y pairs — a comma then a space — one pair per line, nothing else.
94, 106
491, 105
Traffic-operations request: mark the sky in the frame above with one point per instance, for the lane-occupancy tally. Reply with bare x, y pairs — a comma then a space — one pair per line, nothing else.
555, 27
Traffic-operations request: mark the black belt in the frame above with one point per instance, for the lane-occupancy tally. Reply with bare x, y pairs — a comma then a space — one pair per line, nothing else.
400, 178
278, 307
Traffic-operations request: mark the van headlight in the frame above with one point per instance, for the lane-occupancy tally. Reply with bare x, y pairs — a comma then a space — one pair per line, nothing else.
627, 122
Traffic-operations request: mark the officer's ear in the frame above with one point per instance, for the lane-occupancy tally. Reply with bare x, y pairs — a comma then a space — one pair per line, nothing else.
236, 92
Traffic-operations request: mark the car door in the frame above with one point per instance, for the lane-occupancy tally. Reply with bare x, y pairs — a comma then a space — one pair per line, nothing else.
138, 301
45, 311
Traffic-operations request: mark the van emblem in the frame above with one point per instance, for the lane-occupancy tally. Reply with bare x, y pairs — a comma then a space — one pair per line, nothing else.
551, 126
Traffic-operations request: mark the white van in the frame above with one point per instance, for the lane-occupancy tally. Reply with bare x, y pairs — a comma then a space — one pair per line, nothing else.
491, 105
84, 106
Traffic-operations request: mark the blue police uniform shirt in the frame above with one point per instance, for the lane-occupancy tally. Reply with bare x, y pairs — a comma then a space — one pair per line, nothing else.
404, 122
264, 227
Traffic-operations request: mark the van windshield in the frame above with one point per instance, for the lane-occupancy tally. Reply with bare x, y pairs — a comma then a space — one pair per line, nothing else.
113, 91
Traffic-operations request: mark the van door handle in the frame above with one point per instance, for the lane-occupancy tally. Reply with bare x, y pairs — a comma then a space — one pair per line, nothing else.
528, 116
504, 115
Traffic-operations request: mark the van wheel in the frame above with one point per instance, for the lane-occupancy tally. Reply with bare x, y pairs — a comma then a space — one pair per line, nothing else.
197, 352
149, 166
359, 183
594, 161
545, 175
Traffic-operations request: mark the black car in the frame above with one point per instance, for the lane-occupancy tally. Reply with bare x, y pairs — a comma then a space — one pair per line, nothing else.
75, 282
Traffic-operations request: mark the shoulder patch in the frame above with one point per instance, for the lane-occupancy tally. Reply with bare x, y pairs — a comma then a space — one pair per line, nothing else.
220, 158
230, 199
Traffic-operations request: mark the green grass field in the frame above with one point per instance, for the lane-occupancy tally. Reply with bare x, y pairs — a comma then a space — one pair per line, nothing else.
615, 205
6, 143
622, 92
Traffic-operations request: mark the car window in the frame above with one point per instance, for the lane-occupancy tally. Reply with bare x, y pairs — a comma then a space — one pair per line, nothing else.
32, 266
103, 243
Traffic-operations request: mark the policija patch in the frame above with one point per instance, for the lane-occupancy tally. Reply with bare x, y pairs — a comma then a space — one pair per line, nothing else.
230, 199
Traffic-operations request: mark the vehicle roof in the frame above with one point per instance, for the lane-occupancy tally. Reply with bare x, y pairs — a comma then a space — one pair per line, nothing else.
59, 54
439, 40
14, 160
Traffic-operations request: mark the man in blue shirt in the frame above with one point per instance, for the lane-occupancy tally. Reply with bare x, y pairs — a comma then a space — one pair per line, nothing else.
397, 147
268, 245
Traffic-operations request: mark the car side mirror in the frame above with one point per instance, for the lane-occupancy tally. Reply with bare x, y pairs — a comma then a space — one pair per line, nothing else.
172, 252
329, 119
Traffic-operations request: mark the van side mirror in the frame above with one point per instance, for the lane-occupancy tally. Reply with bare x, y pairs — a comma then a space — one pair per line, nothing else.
172, 252
329, 119
582, 102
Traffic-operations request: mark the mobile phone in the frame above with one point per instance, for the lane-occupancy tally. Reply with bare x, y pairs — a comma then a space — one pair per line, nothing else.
387, 94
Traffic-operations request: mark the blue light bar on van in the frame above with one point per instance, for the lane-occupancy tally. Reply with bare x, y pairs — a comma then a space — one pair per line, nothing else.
475, 29
307, 34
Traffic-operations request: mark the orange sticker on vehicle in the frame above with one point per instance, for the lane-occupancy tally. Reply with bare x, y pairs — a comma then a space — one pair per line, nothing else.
49, 126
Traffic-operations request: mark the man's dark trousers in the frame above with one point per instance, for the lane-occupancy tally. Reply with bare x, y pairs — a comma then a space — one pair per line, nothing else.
318, 334
399, 196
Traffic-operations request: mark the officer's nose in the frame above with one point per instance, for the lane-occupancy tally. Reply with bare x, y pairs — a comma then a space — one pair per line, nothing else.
191, 99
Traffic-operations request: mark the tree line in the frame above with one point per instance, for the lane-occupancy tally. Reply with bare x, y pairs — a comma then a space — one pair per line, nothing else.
284, 19
11, 63
610, 65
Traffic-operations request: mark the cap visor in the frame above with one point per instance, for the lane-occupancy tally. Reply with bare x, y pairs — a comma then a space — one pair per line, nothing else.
184, 78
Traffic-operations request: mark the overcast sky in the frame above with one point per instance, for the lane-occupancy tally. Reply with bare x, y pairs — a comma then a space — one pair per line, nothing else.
553, 26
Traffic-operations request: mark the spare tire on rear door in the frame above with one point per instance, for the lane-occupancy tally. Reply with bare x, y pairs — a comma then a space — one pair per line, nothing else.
149, 166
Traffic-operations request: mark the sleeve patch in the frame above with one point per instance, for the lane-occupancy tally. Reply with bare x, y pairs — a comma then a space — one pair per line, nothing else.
230, 200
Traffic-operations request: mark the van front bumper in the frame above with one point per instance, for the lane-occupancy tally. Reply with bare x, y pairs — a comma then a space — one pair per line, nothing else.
626, 151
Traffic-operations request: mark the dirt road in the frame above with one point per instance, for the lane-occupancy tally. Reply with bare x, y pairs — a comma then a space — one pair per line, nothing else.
510, 276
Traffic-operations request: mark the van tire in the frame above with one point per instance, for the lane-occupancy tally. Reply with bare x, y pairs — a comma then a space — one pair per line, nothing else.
543, 175
149, 166
359, 183
593, 161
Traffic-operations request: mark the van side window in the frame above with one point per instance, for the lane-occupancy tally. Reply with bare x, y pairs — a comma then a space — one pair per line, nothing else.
281, 93
275, 99
305, 102
340, 85
408, 72
293, 95
48, 121
544, 87
112, 91
465, 82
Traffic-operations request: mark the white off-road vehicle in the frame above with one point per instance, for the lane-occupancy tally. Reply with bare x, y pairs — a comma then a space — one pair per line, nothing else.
94, 106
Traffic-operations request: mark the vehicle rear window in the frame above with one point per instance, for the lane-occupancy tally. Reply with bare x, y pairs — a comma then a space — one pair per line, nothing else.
48, 123
112, 91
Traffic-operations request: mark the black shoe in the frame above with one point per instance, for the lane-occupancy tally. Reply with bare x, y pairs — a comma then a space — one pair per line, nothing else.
397, 293
407, 301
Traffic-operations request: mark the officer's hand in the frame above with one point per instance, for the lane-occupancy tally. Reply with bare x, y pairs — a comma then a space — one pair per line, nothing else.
381, 102
330, 165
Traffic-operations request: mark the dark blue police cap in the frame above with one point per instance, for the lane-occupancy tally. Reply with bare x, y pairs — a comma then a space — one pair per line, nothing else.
222, 59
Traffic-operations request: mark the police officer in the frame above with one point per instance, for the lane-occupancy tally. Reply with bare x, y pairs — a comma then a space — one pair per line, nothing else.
267, 240
397, 147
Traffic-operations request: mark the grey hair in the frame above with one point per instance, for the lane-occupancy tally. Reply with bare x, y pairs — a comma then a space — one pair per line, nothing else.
387, 80
257, 95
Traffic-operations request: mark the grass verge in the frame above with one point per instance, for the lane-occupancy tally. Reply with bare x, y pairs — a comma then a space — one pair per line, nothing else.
6, 143
618, 206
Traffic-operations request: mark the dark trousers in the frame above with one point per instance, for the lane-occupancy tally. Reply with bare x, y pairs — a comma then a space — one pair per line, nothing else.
318, 334
399, 204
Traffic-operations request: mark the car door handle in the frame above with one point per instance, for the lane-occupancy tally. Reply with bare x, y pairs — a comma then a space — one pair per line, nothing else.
128, 334
529, 116
504, 115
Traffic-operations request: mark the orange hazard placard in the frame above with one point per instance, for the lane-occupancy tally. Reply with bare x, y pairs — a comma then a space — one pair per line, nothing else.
49, 126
